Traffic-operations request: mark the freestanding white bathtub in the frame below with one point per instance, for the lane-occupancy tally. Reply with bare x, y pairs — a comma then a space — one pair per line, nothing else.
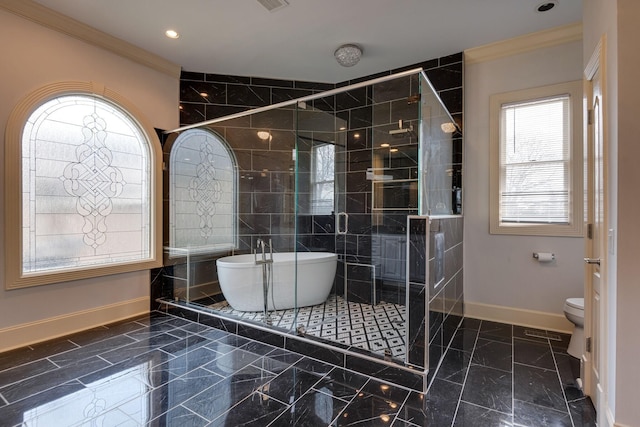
241, 280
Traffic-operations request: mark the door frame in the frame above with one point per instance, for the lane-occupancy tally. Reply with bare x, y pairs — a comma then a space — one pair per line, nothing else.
596, 65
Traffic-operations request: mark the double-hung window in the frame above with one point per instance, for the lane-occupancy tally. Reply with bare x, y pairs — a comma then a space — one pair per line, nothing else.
536, 161
322, 179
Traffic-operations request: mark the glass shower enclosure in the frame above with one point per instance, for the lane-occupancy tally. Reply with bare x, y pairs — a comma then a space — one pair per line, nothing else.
313, 218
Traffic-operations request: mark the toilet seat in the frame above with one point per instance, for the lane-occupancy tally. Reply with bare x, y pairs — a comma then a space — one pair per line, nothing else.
577, 303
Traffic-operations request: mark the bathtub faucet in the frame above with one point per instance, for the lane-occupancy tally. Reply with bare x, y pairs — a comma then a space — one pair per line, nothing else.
261, 247
267, 273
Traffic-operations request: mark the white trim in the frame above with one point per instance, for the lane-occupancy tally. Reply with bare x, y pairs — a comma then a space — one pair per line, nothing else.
58, 326
518, 316
56, 21
525, 43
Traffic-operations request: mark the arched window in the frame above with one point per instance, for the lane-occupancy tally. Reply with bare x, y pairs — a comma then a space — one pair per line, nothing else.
203, 191
80, 188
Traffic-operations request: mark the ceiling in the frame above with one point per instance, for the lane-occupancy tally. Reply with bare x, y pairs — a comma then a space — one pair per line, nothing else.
241, 37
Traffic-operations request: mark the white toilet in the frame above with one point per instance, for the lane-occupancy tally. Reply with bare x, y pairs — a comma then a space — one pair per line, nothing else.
574, 311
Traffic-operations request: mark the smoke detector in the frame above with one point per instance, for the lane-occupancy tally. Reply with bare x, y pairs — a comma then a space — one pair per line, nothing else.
273, 5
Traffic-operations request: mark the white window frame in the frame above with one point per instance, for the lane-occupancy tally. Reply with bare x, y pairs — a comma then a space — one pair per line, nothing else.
315, 183
14, 278
575, 226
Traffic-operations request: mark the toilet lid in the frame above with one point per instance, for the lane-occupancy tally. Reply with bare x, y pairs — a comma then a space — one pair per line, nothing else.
576, 303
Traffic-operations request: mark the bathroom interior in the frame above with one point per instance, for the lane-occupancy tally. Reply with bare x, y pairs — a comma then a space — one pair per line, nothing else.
365, 177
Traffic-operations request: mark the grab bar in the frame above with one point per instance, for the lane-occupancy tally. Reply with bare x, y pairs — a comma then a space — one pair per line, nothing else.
340, 230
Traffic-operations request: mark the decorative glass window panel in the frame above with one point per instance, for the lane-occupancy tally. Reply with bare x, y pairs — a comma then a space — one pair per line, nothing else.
203, 188
85, 186
322, 179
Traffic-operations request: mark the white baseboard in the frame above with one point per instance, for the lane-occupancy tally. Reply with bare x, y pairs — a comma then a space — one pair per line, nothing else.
518, 316
54, 327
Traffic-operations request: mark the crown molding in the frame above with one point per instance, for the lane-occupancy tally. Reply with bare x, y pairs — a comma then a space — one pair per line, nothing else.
524, 43
51, 19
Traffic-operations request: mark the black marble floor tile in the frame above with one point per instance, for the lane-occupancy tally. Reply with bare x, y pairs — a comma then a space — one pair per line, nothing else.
157, 328
160, 370
530, 415
496, 331
464, 339
234, 340
221, 397
186, 344
138, 347
314, 366
533, 353
312, 409
34, 352
368, 410
103, 332
454, 366
488, 387
469, 415
290, 384
50, 379
493, 354
85, 352
212, 334
40, 409
341, 383
559, 341
229, 363
178, 417
258, 347
582, 412
152, 362
255, 410
437, 408
386, 391
21, 372
569, 370
538, 386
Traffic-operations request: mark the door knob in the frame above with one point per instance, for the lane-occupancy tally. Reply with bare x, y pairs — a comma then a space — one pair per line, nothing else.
592, 261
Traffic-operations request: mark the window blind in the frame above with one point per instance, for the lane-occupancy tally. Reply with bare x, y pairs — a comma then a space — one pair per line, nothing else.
535, 161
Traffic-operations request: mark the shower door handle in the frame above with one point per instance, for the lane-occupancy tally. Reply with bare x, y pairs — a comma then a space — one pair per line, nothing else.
342, 226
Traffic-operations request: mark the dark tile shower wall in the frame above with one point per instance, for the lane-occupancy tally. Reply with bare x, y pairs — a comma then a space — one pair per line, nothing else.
446, 296
370, 112
377, 237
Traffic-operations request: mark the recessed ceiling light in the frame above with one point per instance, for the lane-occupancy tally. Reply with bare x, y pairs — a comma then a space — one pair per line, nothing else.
204, 94
546, 6
384, 145
172, 34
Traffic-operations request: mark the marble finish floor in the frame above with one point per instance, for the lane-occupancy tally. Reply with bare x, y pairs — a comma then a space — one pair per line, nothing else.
374, 328
161, 370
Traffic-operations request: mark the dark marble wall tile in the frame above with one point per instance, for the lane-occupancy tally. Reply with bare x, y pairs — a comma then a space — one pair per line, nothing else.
260, 210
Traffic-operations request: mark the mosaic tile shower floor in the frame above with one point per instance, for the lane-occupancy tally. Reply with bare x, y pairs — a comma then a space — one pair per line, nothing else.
369, 327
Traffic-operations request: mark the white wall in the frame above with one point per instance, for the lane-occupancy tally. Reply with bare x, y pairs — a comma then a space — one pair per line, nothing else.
500, 270
627, 295
34, 56
617, 20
